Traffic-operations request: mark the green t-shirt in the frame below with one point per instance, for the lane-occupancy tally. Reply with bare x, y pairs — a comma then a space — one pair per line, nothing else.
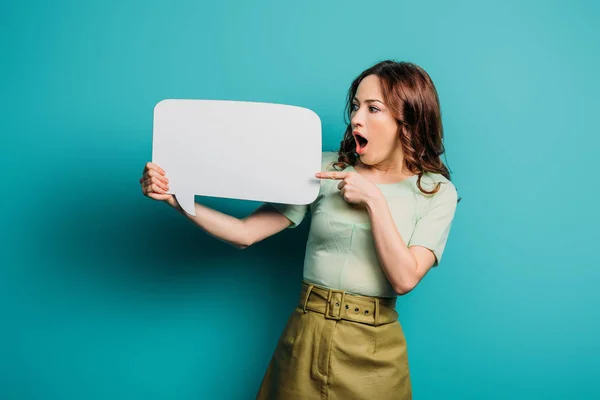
340, 251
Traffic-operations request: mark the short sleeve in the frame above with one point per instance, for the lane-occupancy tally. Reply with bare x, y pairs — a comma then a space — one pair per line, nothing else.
433, 228
295, 213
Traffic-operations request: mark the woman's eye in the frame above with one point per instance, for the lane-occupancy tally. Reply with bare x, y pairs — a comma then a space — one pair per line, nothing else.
373, 109
354, 107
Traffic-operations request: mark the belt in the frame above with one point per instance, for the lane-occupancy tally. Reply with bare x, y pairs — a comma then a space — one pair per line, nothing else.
338, 304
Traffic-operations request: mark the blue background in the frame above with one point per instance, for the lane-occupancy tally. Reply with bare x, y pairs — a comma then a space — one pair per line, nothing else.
107, 294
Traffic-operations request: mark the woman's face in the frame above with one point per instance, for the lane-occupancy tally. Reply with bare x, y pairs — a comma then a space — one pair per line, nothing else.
373, 121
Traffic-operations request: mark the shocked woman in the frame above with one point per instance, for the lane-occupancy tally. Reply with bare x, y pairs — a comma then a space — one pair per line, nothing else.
380, 222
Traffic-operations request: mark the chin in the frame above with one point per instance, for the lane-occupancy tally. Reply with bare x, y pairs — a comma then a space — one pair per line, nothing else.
364, 158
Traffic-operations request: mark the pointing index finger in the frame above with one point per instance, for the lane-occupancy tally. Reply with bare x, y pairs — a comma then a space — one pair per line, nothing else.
331, 175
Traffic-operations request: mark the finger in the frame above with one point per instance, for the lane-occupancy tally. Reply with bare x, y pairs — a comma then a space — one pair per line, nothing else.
341, 185
331, 175
152, 172
159, 196
159, 169
147, 186
147, 167
158, 175
162, 186
159, 182
152, 166
153, 180
157, 189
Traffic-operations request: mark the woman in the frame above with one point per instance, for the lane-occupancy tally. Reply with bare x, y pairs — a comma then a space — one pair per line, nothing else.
379, 224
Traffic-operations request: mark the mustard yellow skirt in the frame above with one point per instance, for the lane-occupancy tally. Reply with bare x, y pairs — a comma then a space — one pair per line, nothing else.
339, 346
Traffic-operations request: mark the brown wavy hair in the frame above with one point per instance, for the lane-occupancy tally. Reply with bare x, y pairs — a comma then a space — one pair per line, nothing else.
410, 94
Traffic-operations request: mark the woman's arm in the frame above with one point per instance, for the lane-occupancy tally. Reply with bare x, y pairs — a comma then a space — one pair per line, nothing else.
403, 266
265, 221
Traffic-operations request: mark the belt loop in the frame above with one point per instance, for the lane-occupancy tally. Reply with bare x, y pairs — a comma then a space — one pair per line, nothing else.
376, 310
306, 298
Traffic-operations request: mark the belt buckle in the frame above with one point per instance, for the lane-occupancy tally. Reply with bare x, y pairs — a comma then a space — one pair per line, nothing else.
328, 305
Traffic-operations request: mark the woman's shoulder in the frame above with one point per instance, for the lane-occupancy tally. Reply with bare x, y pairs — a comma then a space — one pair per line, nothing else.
433, 178
430, 180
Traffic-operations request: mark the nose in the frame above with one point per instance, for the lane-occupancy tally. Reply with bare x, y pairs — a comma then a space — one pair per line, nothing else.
357, 119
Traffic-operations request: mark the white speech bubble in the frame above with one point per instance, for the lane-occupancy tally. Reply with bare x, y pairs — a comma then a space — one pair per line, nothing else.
236, 149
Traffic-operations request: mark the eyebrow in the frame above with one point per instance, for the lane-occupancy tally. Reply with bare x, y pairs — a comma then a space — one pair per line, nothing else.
370, 100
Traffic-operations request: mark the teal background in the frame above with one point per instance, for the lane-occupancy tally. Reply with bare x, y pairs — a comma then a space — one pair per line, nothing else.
107, 294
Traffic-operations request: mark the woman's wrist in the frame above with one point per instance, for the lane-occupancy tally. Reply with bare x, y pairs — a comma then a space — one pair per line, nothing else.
375, 202
172, 202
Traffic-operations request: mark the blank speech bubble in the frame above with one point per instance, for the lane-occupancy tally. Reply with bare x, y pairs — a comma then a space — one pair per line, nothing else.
236, 149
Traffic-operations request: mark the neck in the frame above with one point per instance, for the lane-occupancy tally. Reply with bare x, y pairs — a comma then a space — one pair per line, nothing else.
390, 170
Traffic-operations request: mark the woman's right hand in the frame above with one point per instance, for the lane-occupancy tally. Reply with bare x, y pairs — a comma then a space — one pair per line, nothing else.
155, 184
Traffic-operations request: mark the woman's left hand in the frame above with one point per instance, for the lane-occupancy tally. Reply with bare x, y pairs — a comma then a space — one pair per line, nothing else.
354, 188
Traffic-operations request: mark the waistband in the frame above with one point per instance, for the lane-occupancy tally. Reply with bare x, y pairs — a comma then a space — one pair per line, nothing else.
338, 304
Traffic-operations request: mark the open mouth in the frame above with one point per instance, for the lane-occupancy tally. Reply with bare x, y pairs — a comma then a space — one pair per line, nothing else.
361, 143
